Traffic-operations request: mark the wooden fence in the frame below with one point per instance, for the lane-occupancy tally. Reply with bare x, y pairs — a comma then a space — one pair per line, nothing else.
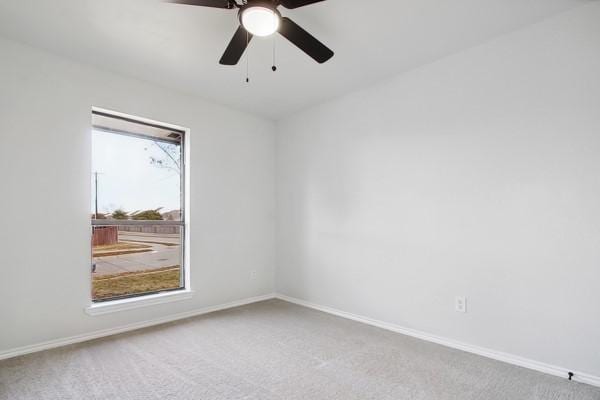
105, 235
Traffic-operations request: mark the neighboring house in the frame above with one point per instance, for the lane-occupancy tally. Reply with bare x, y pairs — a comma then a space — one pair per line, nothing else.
173, 215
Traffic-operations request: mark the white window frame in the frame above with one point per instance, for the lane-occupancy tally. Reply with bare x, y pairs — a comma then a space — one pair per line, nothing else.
143, 300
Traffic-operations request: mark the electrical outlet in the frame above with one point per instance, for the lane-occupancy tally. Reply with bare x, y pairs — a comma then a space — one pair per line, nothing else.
460, 304
253, 274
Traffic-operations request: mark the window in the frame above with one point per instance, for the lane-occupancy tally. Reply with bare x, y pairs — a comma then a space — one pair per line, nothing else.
138, 207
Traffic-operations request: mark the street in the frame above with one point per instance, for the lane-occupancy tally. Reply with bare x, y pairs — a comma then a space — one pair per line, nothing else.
166, 252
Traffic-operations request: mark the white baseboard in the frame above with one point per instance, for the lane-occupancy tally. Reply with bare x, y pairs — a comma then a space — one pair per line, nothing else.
19, 351
493, 354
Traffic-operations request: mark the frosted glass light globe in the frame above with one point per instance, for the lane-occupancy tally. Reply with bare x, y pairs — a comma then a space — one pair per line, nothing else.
260, 21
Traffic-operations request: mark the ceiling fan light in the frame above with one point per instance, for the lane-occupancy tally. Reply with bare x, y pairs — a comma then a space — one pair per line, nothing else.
260, 21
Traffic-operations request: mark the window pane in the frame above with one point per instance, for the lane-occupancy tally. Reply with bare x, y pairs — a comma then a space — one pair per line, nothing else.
133, 260
135, 178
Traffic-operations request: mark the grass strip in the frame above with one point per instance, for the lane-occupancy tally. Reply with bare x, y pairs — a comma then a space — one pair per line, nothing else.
128, 283
119, 249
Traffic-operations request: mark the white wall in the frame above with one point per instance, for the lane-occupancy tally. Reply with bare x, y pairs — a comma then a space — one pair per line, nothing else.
478, 175
45, 162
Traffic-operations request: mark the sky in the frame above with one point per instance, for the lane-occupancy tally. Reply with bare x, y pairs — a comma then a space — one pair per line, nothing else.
127, 179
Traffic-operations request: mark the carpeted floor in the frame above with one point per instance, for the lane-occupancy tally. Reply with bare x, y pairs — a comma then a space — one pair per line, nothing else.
272, 350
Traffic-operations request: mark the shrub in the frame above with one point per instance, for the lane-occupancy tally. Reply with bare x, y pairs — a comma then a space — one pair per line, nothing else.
148, 215
120, 214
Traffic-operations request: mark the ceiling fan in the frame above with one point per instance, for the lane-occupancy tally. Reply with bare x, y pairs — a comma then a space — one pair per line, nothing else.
261, 18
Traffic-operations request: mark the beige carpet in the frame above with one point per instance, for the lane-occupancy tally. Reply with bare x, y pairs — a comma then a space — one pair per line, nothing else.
272, 350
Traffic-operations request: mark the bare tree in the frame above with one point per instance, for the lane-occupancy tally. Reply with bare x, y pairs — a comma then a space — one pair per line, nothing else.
171, 159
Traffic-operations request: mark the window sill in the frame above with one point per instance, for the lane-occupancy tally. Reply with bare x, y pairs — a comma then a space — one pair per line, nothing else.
137, 302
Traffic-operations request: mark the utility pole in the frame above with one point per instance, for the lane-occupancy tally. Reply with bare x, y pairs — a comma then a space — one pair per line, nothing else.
96, 194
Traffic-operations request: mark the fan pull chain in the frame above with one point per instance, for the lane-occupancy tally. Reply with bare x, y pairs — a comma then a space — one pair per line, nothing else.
247, 58
274, 67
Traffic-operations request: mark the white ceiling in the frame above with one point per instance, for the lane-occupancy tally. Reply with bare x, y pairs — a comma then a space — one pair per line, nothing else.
179, 46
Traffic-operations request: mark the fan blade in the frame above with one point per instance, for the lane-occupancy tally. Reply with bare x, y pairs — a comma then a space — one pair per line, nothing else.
298, 3
304, 40
236, 47
204, 3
